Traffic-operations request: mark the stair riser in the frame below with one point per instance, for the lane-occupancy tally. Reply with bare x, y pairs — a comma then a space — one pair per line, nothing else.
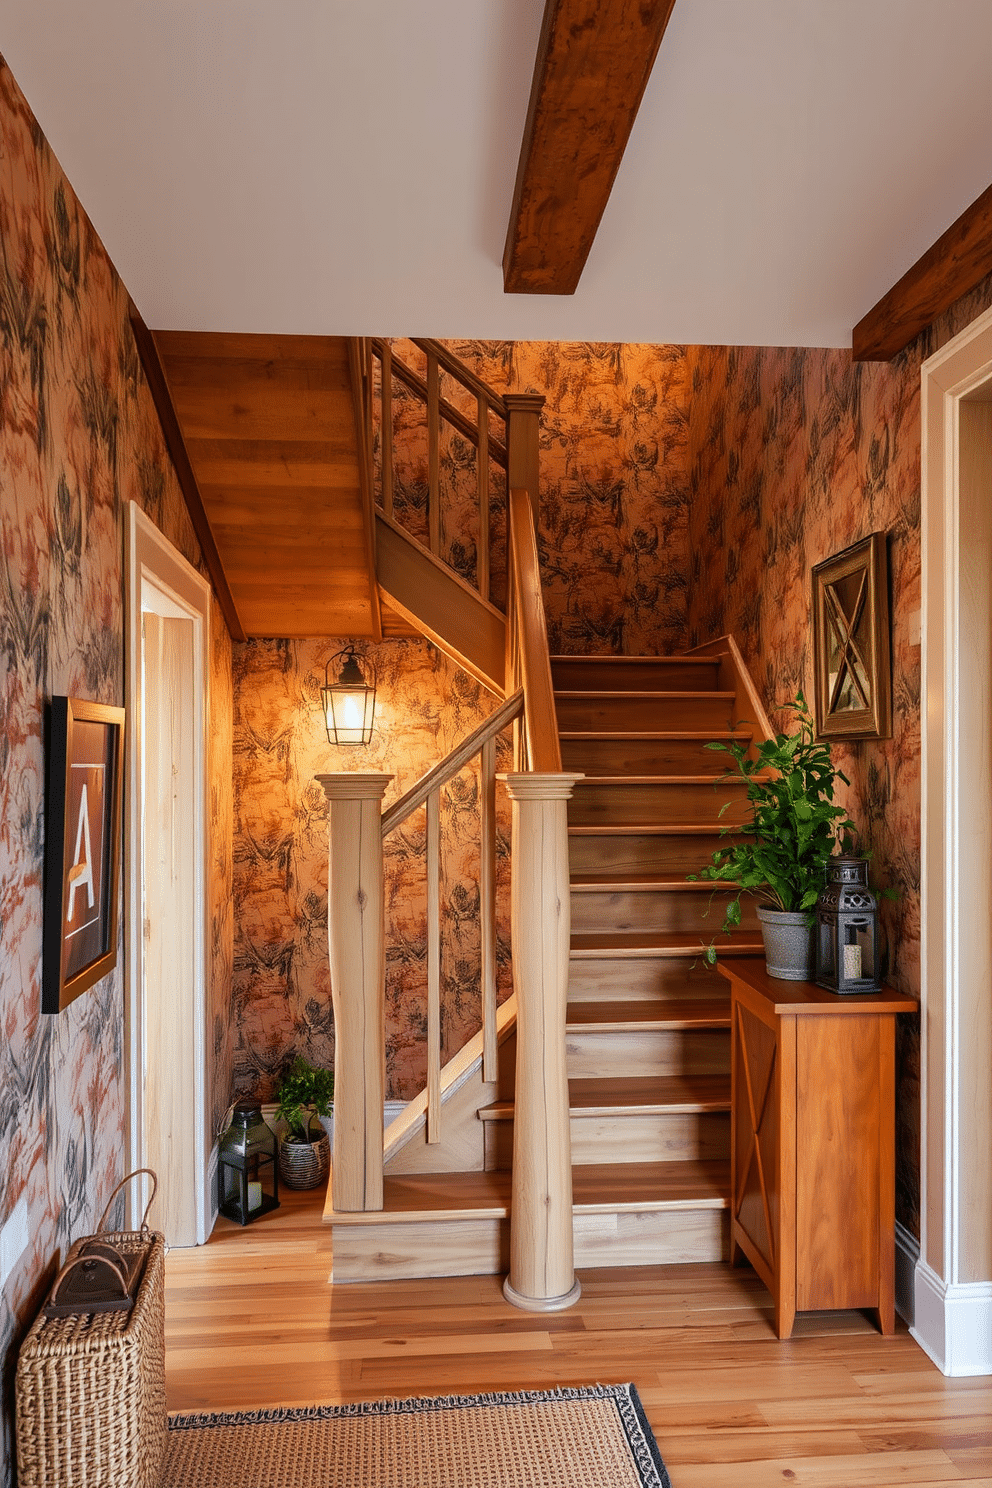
627, 1139
397, 1252
605, 979
667, 1238
663, 675
625, 805
642, 756
699, 711
664, 912
641, 1054
632, 853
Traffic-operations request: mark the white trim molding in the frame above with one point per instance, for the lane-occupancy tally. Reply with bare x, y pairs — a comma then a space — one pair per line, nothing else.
953, 1324
953, 1284
907, 1257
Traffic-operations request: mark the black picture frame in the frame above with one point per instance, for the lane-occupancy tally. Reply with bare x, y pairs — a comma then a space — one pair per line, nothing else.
82, 848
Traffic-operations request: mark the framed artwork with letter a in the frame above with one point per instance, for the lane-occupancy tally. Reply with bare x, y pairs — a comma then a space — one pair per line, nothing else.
82, 848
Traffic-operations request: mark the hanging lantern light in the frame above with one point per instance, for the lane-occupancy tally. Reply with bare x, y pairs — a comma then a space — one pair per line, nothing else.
349, 703
247, 1170
847, 929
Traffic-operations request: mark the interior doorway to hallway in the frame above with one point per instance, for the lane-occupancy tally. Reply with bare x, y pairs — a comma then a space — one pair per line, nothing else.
167, 855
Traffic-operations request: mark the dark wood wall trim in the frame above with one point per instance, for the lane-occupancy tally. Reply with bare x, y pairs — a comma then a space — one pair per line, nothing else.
154, 372
359, 372
960, 259
593, 64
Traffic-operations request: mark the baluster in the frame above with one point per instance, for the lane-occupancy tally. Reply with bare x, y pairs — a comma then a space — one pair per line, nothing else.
482, 482
542, 1276
433, 455
434, 966
487, 906
386, 425
356, 942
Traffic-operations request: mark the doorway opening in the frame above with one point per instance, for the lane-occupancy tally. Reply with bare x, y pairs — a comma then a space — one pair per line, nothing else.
167, 668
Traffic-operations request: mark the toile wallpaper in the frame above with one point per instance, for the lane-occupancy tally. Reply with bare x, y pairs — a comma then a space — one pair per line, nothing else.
613, 528
282, 997
79, 438
793, 455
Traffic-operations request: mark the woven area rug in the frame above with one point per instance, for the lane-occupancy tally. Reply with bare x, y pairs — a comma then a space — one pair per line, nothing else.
595, 1436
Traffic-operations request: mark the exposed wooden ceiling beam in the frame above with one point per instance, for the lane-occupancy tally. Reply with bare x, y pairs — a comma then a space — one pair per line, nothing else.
960, 259
175, 444
593, 64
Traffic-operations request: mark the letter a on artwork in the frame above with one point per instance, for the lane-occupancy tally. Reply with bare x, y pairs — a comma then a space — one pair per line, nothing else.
81, 871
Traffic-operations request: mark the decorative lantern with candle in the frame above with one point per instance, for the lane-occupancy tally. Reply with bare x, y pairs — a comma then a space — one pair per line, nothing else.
247, 1170
349, 703
847, 929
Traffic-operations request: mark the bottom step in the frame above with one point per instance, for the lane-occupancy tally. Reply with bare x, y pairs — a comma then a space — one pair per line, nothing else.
457, 1224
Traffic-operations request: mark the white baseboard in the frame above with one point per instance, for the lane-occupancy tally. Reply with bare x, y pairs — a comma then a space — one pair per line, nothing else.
907, 1255
212, 1209
953, 1323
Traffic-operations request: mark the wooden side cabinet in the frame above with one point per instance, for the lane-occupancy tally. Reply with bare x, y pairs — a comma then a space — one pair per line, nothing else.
813, 1142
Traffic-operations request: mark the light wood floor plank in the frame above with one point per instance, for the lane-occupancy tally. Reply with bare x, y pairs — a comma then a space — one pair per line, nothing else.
252, 1321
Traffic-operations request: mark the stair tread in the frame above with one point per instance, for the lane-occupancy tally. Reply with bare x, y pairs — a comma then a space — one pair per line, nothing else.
701, 735
641, 1096
596, 1188
720, 779
653, 829
643, 692
658, 1013
636, 943
692, 1183
597, 659
640, 883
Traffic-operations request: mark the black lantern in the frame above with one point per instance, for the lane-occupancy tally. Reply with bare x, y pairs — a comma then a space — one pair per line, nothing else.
349, 703
247, 1171
847, 929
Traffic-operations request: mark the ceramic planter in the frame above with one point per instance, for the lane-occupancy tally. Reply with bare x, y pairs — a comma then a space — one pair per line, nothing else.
789, 943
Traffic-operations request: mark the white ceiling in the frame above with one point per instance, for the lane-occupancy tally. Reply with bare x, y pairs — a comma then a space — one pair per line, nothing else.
346, 166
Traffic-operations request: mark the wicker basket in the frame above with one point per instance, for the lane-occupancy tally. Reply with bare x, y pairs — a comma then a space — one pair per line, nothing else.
90, 1388
305, 1164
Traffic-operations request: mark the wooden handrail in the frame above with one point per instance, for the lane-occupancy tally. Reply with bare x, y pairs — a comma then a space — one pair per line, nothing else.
449, 767
461, 373
448, 411
531, 639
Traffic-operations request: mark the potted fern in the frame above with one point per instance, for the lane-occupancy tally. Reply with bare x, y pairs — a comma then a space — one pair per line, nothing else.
781, 855
303, 1094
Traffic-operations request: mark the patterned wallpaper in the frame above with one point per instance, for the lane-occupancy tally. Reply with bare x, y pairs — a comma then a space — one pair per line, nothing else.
282, 998
79, 438
614, 499
795, 454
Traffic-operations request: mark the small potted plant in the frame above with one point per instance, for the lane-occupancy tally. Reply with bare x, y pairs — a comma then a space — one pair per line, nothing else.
303, 1094
781, 855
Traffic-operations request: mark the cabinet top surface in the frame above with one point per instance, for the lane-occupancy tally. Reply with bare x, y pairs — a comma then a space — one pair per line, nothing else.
798, 998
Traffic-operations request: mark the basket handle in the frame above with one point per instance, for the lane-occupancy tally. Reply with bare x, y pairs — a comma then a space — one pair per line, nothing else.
79, 1261
125, 1180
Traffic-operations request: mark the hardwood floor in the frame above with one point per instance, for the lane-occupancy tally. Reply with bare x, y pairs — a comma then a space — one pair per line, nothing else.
251, 1321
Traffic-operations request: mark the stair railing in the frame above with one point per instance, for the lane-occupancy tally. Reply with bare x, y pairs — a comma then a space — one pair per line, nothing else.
542, 1276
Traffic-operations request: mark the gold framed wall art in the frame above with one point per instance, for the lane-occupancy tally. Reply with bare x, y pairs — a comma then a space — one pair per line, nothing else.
851, 647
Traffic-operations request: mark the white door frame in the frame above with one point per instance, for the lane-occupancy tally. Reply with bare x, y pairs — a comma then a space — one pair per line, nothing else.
160, 578
953, 1290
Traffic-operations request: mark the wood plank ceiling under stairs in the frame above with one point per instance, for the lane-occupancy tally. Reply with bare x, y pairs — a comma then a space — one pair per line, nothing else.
648, 1021
266, 425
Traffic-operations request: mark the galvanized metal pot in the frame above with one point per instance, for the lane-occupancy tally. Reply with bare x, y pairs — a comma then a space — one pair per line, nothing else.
305, 1164
789, 943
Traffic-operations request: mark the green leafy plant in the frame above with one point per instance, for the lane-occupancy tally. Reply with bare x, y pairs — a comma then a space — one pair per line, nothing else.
781, 855
303, 1093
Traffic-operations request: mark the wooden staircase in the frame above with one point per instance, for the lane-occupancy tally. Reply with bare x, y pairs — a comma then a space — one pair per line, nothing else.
647, 1032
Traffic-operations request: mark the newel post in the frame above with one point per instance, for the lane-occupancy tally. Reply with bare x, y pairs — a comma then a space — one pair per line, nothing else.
523, 436
356, 942
542, 1275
